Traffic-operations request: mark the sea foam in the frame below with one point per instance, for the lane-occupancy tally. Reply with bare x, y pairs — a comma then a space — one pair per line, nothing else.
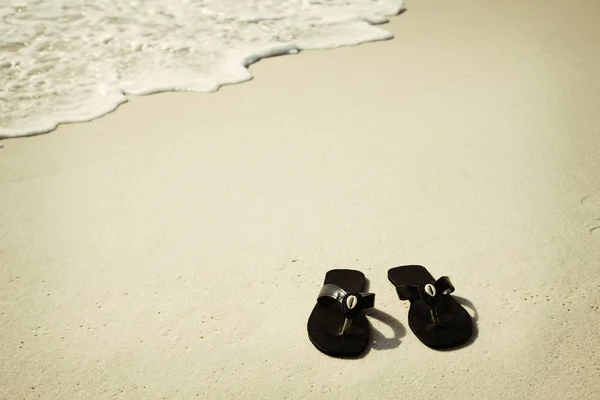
75, 60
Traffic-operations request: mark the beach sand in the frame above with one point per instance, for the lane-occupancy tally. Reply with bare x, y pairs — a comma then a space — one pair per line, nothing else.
174, 248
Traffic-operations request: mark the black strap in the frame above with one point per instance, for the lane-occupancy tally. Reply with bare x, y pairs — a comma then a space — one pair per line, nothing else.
441, 287
430, 292
444, 286
351, 303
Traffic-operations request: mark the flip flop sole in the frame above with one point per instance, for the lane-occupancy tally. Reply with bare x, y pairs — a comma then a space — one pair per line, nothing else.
326, 319
456, 325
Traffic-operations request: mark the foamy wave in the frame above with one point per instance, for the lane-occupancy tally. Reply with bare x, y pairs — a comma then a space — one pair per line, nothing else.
76, 60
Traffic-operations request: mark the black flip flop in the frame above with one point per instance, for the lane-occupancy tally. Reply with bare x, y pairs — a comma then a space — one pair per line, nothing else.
337, 325
435, 317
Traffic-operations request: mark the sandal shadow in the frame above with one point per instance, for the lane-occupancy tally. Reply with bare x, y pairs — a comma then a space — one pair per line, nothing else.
378, 340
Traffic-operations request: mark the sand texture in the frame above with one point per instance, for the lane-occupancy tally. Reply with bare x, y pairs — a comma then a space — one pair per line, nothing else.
174, 248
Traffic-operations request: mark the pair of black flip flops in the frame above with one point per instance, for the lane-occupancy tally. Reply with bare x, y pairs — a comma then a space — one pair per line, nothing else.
338, 327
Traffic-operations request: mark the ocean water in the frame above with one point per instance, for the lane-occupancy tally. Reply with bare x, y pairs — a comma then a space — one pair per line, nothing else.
75, 60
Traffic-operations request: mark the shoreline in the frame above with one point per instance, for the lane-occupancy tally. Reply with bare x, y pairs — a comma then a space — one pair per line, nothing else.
238, 73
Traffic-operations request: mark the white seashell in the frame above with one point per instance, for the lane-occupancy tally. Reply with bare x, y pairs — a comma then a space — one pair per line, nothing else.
351, 302
430, 289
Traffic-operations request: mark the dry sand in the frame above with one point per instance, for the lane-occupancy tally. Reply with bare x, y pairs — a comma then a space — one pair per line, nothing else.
174, 248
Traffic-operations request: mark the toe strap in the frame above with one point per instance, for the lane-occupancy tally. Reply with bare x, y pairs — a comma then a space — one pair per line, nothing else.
351, 303
444, 286
430, 292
